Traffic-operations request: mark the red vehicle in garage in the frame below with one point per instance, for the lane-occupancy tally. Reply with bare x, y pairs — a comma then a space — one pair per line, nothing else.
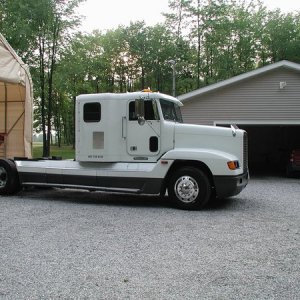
293, 166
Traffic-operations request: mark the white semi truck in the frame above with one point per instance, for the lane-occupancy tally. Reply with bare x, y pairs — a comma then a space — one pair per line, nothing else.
136, 143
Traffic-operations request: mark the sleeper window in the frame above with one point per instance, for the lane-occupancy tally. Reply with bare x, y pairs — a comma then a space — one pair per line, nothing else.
92, 112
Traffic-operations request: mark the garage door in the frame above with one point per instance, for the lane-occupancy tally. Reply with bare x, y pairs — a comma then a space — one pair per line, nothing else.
270, 145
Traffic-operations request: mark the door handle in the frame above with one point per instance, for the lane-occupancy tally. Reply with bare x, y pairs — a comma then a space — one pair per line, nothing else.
124, 127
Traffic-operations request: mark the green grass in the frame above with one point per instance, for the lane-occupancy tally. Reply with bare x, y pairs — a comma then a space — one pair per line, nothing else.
66, 152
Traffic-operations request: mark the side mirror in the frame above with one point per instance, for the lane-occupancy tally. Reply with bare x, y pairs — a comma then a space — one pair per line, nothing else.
140, 110
141, 120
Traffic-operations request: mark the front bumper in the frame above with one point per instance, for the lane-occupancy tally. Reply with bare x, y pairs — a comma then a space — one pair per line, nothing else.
227, 186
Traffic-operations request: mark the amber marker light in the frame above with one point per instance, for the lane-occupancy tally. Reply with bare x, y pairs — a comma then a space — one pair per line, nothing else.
233, 165
147, 90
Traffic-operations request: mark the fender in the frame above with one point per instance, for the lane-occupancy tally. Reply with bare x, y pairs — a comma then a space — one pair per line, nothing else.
215, 160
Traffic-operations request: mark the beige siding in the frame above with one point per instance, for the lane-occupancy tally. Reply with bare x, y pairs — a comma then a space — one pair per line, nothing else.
256, 100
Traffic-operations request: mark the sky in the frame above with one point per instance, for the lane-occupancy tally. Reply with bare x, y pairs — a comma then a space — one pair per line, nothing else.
108, 14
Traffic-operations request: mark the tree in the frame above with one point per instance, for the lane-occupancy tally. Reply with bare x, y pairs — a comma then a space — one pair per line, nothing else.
210, 40
281, 37
40, 31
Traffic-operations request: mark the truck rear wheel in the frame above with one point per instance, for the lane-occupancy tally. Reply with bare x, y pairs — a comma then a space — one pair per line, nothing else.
189, 188
9, 179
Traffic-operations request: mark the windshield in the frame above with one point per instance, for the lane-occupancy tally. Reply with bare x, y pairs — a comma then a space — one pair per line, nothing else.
171, 111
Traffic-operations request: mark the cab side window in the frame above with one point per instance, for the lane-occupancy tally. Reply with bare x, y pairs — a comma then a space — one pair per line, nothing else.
132, 114
151, 112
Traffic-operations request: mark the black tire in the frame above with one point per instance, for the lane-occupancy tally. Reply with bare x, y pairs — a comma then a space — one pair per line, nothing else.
189, 188
9, 179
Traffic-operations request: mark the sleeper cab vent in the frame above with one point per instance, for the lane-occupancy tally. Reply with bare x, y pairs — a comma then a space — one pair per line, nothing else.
98, 140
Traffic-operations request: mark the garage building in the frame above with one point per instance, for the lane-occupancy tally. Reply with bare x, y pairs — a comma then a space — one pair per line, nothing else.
265, 102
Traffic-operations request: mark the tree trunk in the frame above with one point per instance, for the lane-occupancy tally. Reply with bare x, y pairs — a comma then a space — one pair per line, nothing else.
43, 96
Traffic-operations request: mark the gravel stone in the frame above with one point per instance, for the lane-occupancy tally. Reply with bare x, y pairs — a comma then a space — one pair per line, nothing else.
66, 244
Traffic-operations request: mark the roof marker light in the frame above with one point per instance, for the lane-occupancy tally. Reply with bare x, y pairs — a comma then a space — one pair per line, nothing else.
148, 90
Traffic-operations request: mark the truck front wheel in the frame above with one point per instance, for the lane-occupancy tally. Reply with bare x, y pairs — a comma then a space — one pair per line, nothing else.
9, 179
189, 188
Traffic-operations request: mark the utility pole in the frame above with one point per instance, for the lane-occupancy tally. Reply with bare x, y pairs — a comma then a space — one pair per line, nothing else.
173, 63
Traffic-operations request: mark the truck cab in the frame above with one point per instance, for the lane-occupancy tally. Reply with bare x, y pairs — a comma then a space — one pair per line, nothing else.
125, 127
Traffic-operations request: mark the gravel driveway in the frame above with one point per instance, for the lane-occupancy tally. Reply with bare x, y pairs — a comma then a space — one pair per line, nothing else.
79, 245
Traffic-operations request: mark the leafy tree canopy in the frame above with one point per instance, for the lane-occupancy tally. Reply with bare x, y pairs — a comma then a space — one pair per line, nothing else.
210, 40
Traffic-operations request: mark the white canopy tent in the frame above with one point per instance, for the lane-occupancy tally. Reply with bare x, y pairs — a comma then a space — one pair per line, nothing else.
15, 104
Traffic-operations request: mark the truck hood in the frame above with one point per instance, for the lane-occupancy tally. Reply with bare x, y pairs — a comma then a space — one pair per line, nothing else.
194, 130
209, 137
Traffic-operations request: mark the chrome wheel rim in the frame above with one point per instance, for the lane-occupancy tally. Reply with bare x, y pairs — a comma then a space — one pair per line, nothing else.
186, 189
3, 177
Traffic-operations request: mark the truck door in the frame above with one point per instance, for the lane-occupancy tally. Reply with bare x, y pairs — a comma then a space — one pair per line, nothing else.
143, 140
